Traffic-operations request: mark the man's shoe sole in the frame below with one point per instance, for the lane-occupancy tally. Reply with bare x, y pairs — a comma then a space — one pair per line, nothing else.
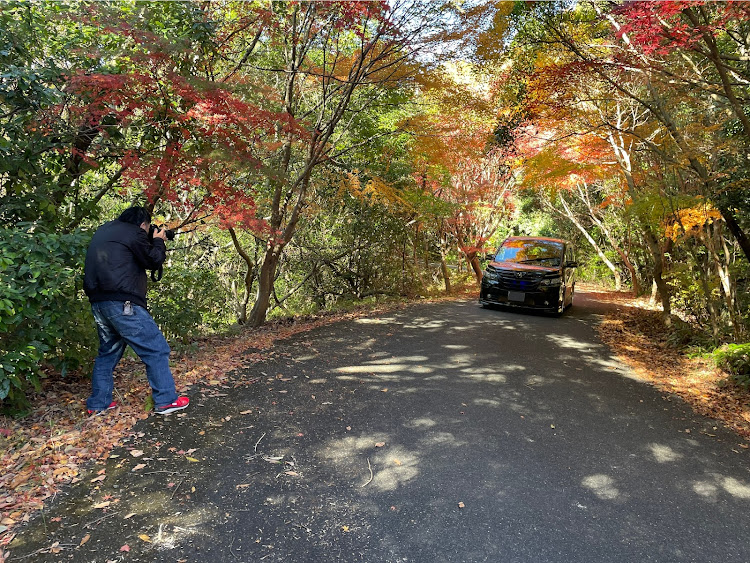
170, 410
114, 405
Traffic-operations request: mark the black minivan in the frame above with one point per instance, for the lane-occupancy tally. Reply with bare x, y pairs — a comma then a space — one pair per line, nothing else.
532, 272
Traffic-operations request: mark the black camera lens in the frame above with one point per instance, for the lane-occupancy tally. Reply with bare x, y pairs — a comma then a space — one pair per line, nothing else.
170, 234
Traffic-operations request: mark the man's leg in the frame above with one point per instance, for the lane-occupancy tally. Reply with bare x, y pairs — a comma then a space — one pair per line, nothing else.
143, 335
111, 349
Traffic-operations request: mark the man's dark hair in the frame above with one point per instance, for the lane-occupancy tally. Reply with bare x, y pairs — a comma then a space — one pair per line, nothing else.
135, 215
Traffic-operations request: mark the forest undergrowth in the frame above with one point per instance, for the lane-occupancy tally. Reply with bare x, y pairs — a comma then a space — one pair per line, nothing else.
54, 445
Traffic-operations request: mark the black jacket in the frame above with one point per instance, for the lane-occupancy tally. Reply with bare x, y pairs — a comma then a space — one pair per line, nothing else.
117, 260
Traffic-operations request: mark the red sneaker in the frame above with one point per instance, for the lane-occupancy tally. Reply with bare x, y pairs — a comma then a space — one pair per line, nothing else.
178, 405
112, 405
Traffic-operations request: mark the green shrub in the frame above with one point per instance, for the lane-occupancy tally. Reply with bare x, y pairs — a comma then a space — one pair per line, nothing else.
735, 360
42, 320
188, 302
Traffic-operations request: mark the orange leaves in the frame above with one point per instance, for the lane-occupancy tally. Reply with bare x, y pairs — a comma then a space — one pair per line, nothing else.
691, 221
376, 190
638, 337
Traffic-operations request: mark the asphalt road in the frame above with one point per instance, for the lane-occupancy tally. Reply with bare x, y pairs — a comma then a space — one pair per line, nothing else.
439, 433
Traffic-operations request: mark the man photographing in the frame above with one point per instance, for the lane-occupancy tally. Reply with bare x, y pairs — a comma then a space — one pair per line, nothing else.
115, 282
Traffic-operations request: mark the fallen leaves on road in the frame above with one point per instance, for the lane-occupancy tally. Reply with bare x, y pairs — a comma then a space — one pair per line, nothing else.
638, 337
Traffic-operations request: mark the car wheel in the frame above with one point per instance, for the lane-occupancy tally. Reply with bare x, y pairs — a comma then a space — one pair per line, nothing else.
561, 304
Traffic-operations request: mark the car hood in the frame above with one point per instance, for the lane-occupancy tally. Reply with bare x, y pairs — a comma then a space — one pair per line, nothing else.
515, 267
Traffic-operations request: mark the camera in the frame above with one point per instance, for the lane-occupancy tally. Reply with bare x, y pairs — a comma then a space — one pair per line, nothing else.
153, 228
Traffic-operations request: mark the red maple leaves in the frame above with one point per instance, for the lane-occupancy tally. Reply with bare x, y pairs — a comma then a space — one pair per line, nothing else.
195, 137
662, 27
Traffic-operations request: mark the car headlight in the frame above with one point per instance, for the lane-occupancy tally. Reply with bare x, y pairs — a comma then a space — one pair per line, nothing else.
491, 276
551, 282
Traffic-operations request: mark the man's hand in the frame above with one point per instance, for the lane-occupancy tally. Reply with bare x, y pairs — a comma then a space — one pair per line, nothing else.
161, 233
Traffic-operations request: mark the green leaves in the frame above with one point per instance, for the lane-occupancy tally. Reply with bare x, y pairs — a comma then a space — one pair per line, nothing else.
41, 318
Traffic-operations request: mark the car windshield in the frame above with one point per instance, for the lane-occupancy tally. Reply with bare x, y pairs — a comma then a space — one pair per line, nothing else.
541, 252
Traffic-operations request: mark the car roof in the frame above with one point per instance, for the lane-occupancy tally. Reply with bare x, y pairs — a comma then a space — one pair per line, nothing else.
539, 238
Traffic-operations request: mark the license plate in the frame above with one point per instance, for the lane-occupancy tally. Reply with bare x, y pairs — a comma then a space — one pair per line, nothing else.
516, 296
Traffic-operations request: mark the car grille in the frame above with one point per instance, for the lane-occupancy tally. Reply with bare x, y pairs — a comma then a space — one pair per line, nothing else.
511, 280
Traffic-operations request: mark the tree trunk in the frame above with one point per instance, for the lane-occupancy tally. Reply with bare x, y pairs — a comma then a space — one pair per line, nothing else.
657, 253
611, 239
742, 239
446, 274
473, 260
240, 303
703, 268
714, 239
570, 215
266, 279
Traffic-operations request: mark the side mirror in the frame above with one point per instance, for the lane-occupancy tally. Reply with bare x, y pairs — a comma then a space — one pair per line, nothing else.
571, 264
489, 257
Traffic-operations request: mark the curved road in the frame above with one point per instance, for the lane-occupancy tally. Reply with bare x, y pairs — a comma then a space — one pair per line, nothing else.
439, 433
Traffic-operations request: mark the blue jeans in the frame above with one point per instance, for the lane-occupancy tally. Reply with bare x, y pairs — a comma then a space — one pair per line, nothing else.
139, 331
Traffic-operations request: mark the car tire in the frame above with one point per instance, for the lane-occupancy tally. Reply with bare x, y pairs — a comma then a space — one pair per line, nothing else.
560, 306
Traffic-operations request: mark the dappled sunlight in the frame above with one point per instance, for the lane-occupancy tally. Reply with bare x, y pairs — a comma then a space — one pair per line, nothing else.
374, 368
364, 345
420, 423
436, 378
375, 321
387, 365
306, 358
369, 460
712, 488
508, 368
392, 359
496, 403
602, 486
424, 323
178, 527
664, 454
342, 449
442, 440
487, 377
735, 488
533, 380
394, 468
464, 359
565, 341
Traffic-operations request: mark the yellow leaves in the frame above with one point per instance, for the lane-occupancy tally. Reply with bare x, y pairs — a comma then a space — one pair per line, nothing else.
376, 190
691, 220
